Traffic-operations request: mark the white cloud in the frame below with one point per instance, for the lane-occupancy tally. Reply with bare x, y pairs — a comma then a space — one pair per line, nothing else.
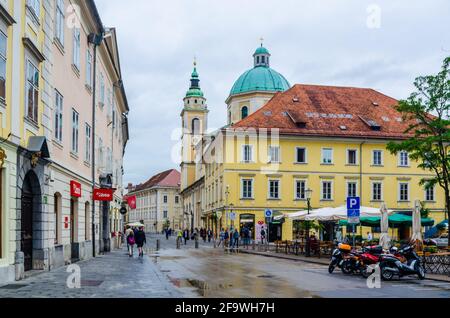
320, 42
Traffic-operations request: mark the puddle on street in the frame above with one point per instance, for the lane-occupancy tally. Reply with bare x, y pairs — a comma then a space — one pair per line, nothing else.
215, 275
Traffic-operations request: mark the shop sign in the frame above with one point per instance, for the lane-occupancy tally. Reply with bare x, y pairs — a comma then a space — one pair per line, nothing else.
66, 222
104, 195
75, 189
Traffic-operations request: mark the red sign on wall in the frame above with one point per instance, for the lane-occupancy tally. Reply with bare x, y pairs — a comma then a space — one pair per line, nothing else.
66, 222
103, 194
75, 189
132, 202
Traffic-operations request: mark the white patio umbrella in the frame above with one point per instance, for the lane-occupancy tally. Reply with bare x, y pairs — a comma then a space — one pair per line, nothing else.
385, 240
335, 214
417, 223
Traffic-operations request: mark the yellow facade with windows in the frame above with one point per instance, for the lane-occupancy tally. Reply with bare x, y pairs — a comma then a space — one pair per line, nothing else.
233, 171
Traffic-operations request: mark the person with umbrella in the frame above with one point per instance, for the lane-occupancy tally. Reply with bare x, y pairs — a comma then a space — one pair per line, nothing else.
140, 240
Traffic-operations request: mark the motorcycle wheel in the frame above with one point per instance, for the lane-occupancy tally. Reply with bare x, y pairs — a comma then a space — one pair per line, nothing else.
386, 275
331, 269
347, 268
366, 271
420, 272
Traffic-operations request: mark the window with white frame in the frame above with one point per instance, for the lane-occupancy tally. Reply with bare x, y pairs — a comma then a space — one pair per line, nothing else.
377, 191
430, 193
59, 21
352, 155
247, 188
35, 7
301, 155
327, 190
165, 214
3, 49
100, 152
352, 189
75, 130
403, 191
377, 158
102, 89
165, 199
32, 92
300, 189
76, 47
274, 189
274, 154
58, 116
247, 153
87, 156
404, 159
327, 156
89, 68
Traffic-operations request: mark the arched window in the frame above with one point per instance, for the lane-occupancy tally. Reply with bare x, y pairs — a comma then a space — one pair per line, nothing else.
244, 112
229, 118
196, 126
263, 59
257, 60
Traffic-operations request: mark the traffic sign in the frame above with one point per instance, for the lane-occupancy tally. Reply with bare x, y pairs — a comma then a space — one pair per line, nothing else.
268, 213
232, 216
353, 210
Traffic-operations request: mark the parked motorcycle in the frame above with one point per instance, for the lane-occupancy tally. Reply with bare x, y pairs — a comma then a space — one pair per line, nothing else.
338, 256
405, 262
361, 262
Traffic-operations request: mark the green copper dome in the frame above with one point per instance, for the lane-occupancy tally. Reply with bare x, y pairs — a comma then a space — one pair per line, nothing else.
262, 50
195, 90
261, 77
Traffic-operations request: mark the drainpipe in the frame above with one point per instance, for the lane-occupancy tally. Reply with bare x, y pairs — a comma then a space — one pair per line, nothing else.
96, 40
361, 168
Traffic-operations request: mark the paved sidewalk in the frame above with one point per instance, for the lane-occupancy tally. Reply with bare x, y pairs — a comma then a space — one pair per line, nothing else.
114, 275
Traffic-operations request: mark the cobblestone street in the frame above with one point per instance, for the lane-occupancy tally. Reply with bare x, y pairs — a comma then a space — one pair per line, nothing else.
113, 275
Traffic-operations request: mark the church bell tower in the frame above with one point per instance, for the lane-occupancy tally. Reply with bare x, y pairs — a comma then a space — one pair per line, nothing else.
194, 123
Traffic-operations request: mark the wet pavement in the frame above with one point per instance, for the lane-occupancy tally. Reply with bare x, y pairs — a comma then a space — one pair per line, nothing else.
209, 272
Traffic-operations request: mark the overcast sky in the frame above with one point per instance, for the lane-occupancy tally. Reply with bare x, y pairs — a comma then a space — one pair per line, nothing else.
311, 42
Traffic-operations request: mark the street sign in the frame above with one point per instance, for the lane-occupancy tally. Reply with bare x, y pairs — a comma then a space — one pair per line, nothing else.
353, 210
123, 210
232, 216
268, 213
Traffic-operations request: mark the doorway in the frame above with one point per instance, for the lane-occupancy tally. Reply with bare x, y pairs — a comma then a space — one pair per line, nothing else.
30, 200
73, 227
248, 220
275, 232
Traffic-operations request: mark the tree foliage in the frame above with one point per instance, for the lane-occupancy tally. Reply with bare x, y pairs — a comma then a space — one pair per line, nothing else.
427, 111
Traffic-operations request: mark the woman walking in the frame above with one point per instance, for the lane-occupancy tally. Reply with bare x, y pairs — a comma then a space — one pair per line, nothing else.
140, 241
131, 241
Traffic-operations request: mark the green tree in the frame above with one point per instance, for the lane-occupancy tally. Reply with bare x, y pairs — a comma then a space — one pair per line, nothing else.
427, 111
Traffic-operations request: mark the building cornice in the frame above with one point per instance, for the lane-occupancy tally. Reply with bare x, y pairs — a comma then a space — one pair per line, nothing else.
5, 16
33, 49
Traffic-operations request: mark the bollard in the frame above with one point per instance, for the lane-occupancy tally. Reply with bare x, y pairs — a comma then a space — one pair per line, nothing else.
215, 246
158, 244
178, 243
196, 242
254, 245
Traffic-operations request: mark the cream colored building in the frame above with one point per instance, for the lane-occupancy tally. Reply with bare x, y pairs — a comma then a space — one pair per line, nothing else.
158, 202
46, 122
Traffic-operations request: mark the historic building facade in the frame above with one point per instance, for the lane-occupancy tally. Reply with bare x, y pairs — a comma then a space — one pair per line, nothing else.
46, 111
281, 141
158, 202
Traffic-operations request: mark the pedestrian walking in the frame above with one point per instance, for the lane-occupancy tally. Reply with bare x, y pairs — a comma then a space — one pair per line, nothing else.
236, 238
140, 241
131, 241
221, 237
186, 236
167, 234
180, 236
263, 235
210, 235
226, 238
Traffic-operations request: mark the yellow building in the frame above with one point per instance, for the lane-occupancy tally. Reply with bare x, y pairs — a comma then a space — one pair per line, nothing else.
331, 140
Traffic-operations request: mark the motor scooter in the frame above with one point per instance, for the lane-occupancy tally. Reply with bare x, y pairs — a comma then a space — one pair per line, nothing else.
405, 262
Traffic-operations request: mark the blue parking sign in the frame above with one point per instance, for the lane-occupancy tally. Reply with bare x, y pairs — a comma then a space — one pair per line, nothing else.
353, 207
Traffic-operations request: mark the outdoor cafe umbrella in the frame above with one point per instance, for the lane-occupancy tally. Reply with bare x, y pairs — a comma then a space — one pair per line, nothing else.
334, 214
417, 223
137, 224
384, 237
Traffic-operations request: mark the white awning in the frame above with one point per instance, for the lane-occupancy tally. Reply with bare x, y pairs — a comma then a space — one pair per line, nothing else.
332, 214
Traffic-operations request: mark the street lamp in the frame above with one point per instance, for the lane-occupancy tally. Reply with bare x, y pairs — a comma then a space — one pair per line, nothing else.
227, 193
308, 194
192, 221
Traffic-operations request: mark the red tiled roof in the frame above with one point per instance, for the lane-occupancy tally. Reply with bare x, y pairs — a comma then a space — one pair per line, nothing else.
169, 178
311, 110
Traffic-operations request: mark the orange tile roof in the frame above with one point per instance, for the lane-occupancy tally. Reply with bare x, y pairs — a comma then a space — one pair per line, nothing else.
311, 110
169, 178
